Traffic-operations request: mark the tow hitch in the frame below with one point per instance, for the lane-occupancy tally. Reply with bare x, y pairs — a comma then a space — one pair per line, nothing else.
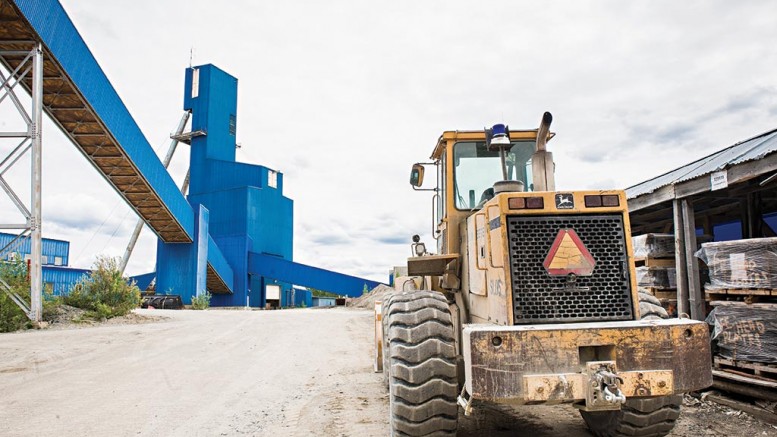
604, 387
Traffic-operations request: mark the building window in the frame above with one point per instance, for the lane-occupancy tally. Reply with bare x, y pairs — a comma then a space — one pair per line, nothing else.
195, 83
57, 260
272, 179
232, 125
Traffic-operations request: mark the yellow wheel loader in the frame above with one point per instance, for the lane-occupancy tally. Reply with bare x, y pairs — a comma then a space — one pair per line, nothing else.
531, 299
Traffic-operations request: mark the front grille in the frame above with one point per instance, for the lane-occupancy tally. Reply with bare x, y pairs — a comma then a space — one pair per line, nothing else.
541, 298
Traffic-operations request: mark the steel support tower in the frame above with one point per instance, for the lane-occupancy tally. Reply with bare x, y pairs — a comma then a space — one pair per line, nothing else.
29, 140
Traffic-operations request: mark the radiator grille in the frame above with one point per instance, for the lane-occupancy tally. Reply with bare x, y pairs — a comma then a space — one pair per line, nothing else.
541, 298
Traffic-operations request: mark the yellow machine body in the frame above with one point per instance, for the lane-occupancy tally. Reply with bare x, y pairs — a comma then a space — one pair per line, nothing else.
513, 360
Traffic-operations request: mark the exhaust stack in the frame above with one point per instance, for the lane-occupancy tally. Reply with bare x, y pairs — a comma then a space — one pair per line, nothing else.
543, 178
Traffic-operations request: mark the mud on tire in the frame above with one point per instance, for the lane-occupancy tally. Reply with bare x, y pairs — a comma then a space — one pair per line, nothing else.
653, 417
421, 357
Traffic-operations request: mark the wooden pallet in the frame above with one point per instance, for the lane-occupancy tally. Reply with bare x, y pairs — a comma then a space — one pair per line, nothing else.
654, 262
761, 371
748, 295
743, 291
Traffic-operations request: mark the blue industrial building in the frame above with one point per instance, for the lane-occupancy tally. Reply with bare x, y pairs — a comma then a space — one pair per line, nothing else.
244, 203
240, 207
233, 235
58, 278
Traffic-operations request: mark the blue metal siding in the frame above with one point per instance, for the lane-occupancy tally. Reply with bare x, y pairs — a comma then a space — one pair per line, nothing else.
271, 224
144, 280
62, 279
225, 175
219, 263
303, 298
51, 249
61, 38
181, 267
235, 251
307, 276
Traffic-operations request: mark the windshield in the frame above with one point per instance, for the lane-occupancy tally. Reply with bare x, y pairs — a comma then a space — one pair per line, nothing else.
476, 169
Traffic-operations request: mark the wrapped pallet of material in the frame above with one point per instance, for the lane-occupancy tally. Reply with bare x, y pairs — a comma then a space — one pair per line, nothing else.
657, 277
745, 332
653, 246
741, 263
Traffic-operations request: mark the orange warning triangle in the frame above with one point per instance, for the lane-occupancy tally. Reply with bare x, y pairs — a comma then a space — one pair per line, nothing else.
568, 255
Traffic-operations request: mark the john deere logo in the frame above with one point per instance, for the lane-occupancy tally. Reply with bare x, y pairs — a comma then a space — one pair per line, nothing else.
568, 255
565, 201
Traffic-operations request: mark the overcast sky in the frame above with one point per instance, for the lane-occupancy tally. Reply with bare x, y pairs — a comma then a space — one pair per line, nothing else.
344, 96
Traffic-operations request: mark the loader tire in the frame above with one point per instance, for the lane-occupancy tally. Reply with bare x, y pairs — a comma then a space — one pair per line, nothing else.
421, 349
650, 308
384, 327
652, 417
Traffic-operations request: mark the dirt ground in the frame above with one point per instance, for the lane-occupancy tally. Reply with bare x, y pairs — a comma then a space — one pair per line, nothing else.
305, 372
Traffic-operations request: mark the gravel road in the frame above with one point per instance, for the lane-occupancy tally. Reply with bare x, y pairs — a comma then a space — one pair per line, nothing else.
304, 372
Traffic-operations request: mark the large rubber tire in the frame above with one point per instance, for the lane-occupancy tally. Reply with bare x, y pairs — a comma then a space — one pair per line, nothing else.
652, 417
384, 326
650, 308
421, 350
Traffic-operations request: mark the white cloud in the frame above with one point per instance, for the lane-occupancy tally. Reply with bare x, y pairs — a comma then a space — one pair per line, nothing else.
636, 89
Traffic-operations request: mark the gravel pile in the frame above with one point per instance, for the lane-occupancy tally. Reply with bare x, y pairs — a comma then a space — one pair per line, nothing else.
65, 314
368, 300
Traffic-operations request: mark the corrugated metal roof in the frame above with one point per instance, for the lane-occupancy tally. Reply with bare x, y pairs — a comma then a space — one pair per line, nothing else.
744, 151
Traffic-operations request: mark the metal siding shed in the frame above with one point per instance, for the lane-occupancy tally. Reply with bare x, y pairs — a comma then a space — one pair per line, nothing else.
751, 149
683, 201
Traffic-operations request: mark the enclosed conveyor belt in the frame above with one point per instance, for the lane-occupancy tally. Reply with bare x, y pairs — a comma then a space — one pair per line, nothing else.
307, 276
81, 100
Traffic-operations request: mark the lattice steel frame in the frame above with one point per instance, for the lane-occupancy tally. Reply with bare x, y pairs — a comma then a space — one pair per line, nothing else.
31, 140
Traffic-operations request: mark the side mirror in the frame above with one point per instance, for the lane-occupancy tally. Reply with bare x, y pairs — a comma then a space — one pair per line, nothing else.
417, 175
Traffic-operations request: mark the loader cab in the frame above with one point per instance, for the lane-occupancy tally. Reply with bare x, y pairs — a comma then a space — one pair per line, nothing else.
466, 171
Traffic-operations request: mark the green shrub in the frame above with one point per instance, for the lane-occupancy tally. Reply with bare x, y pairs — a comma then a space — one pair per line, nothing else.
201, 302
14, 274
104, 293
51, 304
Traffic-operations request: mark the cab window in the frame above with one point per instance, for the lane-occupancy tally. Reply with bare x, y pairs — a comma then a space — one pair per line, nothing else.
476, 169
